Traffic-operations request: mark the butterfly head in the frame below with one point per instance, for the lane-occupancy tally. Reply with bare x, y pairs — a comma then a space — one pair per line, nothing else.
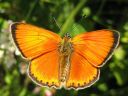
67, 36
66, 40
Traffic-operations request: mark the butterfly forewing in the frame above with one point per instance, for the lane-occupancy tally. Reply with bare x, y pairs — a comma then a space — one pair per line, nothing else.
96, 46
33, 41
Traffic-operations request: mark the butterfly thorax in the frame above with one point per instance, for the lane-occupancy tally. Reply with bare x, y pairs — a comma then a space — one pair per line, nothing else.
65, 51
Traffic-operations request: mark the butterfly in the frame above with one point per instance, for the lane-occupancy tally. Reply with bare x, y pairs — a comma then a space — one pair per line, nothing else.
64, 62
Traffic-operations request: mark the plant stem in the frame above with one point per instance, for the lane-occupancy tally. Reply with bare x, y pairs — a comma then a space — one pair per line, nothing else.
71, 17
31, 9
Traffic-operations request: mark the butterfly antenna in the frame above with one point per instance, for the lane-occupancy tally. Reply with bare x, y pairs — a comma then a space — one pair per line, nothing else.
75, 26
99, 22
57, 23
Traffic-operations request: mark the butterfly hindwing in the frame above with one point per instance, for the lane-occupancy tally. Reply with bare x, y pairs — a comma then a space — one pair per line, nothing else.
44, 69
82, 73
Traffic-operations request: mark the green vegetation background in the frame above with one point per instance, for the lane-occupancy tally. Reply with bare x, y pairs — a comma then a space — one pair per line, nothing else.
75, 17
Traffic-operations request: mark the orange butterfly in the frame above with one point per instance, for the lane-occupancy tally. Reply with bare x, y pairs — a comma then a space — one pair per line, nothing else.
56, 62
